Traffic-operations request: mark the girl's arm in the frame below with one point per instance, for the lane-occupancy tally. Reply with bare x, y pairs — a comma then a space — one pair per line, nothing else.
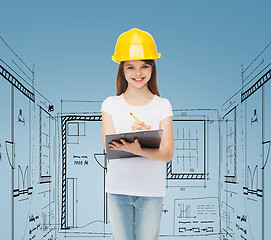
107, 126
164, 153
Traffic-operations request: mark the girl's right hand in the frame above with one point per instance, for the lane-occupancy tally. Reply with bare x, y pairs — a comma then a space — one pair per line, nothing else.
138, 125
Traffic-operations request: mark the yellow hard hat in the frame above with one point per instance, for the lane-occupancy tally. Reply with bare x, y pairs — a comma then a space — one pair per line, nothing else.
135, 44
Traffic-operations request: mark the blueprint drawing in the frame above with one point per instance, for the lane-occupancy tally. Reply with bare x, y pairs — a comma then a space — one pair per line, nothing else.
53, 166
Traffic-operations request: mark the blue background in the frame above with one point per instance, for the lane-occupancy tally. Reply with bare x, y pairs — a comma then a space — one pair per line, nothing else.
203, 44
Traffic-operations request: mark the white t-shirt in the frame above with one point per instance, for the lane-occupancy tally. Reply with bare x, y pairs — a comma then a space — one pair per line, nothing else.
138, 176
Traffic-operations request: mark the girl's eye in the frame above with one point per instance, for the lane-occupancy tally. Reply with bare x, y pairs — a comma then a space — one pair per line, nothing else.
130, 67
145, 66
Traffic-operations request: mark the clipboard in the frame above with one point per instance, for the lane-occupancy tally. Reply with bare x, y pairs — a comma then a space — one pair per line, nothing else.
147, 139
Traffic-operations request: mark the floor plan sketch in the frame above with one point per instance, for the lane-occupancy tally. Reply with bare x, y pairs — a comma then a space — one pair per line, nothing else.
192, 132
53, 165
245, 157
28, 207
189, 151
196, 219
195, 131
6, 160
82, 177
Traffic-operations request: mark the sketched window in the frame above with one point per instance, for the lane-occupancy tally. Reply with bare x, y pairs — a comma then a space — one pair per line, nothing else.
74, 131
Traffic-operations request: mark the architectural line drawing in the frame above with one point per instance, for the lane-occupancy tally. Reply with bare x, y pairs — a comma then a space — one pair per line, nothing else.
186, 153
251, 121
53, 165
64, 121
19, 168
9, 77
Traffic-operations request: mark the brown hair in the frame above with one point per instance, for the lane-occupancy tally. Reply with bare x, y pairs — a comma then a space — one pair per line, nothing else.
121, 83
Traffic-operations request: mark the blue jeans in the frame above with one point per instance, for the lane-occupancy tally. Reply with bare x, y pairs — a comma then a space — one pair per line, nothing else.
134, 217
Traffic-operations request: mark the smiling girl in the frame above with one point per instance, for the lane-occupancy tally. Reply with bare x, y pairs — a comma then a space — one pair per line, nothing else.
136, 186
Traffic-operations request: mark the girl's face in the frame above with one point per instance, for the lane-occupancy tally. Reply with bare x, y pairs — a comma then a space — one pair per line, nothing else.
137, 73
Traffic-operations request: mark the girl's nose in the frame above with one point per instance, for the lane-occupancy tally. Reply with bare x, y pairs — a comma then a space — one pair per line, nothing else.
138, 71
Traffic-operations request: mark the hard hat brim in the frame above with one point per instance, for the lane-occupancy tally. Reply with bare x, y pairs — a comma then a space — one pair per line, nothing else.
130, 59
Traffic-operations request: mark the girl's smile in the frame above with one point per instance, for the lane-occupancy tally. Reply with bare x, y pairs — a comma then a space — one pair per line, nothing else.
139, 79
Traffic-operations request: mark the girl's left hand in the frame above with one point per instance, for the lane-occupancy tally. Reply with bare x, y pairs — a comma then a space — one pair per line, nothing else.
133, 147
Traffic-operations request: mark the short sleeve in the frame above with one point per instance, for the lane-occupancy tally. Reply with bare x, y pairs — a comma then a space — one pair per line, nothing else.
166, 109
106, 106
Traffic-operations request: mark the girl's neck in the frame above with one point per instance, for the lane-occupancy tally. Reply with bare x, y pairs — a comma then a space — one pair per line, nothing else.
138, 96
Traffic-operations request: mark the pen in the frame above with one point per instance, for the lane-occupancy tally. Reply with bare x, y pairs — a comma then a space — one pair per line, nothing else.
136, 118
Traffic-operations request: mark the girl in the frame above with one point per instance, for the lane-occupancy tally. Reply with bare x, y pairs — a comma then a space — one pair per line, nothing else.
136, 186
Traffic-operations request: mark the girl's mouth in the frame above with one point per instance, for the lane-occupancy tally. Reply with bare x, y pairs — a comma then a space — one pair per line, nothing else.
138, 79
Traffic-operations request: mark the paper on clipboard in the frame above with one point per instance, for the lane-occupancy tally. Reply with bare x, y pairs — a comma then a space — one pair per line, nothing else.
147, 139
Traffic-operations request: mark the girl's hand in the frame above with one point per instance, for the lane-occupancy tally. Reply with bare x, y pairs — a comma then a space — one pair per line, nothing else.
133, 147
138, 125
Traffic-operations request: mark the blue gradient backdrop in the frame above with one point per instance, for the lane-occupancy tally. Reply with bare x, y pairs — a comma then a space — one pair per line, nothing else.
203, 44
